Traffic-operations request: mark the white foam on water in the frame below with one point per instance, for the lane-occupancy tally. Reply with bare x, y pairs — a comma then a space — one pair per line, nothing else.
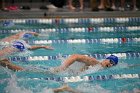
82, 88
37, 69
75, 69
61, 58
120, 65
25, 53
93, 69
135, 90
47, 90
88, 88
12, 86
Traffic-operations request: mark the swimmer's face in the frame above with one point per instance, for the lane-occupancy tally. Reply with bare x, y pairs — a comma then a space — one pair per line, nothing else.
107, 63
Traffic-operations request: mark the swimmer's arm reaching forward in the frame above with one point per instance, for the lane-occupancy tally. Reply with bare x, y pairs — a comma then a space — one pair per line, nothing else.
38, 47
9, 65
77, 57
32, 33
18, 36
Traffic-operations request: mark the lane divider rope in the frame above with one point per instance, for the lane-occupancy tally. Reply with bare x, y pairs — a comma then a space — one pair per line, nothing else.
76, 29
75, 20
84, 78
83, 41
80, 41
57, 57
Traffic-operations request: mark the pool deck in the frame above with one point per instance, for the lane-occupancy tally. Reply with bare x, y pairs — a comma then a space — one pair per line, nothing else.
37, 13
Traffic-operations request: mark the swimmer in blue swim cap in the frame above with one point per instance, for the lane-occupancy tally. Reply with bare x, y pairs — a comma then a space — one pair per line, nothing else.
20, 35
110, 61
17, 45
113, 59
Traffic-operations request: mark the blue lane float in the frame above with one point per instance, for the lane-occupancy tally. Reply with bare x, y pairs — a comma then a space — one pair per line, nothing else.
57, 57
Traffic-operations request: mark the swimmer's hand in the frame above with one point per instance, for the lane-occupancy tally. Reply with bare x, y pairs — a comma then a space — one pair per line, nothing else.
34, 33
48, 47
64, 88
17, 68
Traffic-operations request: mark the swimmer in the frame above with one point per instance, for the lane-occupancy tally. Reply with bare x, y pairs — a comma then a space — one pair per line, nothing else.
20, 35
110, 61
17, 45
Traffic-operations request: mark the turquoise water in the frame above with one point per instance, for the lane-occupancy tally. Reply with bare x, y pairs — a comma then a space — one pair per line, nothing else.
30, 81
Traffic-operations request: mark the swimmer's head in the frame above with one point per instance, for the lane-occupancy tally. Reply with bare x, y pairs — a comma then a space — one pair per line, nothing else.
112, 60
18, 45
27, 36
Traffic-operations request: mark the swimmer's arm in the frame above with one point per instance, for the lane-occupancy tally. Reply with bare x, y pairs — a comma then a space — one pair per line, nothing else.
64, 89
33, 33
9, 65
22, 33
57, 90
39, 47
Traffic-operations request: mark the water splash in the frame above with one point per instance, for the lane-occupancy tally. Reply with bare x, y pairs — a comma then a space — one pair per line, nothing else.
89, 88
61, 58
47, 90
12, 86
37, 69
75, 69
92, 69
120, 65
135, 90
25, 53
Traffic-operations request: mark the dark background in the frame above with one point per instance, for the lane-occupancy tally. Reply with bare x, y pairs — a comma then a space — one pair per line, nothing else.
59, 3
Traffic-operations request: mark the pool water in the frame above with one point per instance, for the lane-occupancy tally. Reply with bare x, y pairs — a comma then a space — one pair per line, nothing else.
94, 39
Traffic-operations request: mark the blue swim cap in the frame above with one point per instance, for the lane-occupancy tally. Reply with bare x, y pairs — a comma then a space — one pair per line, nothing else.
27, 36
20, 46
113, 58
